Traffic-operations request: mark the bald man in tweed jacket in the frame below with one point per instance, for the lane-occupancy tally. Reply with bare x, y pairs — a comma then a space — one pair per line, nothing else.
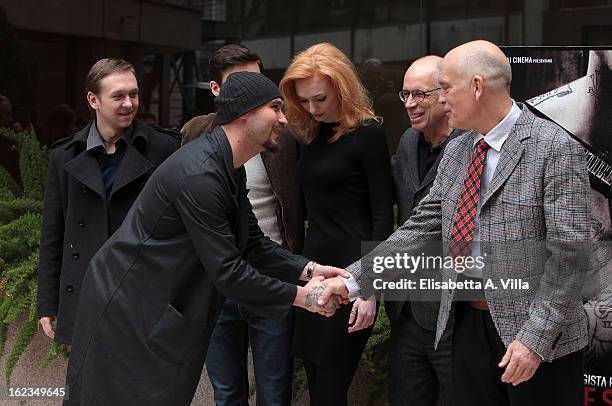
533, 217
514, 197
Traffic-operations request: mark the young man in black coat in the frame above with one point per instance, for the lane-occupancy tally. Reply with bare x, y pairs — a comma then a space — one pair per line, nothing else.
94, 177
155, 288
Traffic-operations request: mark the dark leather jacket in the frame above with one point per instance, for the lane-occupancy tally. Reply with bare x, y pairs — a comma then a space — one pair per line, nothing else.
280, 167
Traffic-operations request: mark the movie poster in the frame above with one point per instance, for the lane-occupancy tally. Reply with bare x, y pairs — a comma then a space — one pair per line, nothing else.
573, 87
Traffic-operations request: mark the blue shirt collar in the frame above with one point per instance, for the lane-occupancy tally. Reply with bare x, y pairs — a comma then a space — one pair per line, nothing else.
94, 139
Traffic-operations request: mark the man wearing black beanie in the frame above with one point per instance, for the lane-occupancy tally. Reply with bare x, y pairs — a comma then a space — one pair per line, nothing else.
275, 196
190, 240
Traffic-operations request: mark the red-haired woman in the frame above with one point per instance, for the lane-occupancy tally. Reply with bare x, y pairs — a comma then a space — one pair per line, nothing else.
344, 174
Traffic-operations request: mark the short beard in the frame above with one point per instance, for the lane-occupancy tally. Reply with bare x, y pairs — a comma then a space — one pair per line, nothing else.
256, 128
271, 146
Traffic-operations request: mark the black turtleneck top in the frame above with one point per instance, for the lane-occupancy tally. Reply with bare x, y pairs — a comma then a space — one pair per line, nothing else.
348, 193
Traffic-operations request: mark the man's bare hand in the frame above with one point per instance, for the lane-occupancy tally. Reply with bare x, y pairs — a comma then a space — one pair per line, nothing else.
327, 271
46, 323
333, 287
520, 363
363, 314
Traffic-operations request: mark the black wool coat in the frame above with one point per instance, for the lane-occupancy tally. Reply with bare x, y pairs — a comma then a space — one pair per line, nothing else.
78, 217
152, 293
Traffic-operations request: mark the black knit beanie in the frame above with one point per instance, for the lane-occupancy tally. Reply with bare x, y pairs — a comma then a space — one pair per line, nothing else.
242, 92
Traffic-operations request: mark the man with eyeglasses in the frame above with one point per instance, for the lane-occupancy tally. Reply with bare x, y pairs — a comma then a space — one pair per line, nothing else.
418, 375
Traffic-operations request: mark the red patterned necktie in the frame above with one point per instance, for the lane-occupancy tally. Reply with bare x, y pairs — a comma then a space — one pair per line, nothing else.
463, 226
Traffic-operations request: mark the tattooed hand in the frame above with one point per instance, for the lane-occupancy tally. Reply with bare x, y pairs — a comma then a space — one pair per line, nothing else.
313, 295
314, 289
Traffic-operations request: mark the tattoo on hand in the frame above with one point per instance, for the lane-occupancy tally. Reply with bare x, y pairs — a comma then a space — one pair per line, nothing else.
313, 296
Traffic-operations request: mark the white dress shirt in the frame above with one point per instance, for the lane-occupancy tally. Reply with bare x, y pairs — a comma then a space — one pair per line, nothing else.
495, 138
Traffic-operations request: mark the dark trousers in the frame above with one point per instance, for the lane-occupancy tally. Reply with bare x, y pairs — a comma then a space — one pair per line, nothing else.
226, 360
418, 374
328, 386
477, 350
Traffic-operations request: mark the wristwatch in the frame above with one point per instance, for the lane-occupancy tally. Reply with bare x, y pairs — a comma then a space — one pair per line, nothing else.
310, 269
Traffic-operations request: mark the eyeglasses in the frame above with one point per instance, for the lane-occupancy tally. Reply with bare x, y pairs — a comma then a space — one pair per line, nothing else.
417, 95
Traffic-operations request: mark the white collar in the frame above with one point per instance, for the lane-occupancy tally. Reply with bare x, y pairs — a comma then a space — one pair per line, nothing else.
498, 135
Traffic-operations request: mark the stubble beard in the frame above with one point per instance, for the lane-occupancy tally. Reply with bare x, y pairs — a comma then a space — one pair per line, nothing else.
271, 146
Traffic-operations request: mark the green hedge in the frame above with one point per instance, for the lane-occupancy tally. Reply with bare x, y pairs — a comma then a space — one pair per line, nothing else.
20, 219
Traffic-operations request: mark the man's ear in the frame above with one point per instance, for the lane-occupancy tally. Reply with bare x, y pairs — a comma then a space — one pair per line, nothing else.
477, 86
245, 116
215, 88
92, 99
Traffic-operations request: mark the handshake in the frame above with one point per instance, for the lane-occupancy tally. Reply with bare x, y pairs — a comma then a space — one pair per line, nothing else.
326, 291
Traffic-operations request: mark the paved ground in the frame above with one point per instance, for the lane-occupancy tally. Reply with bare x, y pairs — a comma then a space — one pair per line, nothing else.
30, 374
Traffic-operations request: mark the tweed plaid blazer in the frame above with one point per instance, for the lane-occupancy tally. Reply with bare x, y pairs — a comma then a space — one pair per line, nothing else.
535, 213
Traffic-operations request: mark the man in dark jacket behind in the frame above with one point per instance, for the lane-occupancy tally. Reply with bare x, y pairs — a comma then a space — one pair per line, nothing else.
277, 204
94, 176
155, 288
418, 375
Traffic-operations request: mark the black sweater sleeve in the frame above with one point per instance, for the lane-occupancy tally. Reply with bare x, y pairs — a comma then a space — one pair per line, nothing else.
376, 163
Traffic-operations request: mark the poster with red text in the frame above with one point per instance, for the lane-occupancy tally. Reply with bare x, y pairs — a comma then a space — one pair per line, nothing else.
572, 86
